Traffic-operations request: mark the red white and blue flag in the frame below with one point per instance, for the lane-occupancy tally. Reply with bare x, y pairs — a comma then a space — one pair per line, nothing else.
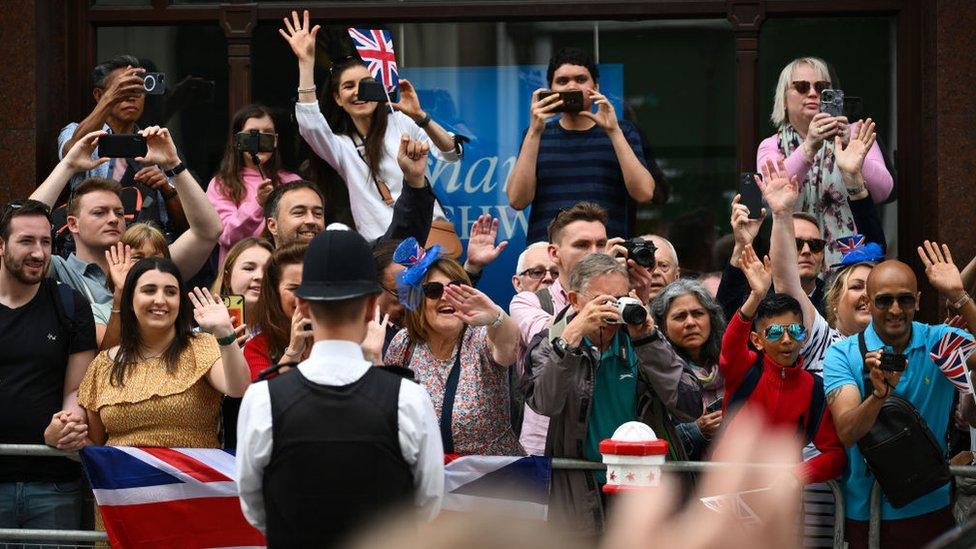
375, 47
950, 355
511, 486
168, 497
847, 244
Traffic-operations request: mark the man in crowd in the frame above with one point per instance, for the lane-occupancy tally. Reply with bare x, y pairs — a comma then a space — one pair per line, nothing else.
47, 340
582, 156
336, 443
96, 218
120, 100
857, 386
591, 373
534, 269
666, 268
294, 211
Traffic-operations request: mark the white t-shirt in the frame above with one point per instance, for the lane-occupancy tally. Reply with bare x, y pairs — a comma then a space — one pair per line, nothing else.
821, 337
371, 213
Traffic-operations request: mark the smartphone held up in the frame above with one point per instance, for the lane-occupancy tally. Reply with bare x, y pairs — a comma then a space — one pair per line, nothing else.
572, 100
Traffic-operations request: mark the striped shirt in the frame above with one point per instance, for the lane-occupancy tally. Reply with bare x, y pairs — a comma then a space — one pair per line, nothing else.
822, 336
580, 165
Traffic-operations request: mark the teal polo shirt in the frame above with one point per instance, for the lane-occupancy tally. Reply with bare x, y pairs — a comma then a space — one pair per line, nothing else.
922, 384
614, 395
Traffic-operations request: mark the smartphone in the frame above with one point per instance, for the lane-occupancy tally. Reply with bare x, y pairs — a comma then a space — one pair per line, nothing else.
714, 406
751, 194
853, 108
154, 83
371, 90
572, 100
254, 141
832, 102
122, 145
235, 306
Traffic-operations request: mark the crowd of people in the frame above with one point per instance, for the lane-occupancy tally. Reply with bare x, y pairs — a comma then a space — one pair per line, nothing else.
344, 363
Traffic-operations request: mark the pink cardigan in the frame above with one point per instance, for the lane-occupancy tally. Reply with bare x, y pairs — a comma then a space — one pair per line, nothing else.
247, 218
876, 176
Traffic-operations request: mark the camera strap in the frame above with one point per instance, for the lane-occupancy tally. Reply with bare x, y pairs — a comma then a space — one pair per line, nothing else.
381, 186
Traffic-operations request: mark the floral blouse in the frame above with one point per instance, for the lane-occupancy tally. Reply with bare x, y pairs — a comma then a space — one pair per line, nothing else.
481, 421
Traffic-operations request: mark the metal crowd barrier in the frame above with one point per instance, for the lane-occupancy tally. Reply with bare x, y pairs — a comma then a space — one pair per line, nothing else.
874, 528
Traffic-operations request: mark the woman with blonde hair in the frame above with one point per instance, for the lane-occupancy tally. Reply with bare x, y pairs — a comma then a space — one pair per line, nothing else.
241, 274
807, 138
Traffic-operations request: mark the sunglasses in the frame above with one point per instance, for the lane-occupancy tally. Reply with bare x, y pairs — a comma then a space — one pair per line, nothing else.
21, 203
803, 86
905, 301
434, 290
796, 330
540, 272
816, 244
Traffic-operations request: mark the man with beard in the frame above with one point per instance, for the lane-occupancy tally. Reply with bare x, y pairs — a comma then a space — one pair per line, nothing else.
855, 399
47, 340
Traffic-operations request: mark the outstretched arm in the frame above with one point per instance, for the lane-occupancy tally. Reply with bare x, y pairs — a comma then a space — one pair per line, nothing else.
77, 159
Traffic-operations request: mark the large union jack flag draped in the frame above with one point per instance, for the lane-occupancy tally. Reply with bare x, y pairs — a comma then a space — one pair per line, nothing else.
950, 356
375, 47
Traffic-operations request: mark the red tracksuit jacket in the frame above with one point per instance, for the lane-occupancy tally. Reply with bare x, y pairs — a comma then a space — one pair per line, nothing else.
783, 397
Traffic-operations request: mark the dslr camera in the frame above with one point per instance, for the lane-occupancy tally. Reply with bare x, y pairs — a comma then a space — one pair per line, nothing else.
832, 102
893, 362
641, 251
631, 310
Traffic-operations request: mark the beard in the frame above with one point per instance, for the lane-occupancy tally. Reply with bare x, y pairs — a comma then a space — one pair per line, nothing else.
19, 271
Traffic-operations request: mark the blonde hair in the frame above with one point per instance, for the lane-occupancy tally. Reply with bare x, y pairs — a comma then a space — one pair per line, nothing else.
779, 117
139, 233
836, 285
416, 321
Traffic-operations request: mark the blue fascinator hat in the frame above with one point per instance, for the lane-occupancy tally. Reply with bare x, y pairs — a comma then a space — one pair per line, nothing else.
855, 249
417, 261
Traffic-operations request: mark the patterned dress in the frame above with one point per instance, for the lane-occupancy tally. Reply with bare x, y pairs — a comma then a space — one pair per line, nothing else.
481, 421
153, 407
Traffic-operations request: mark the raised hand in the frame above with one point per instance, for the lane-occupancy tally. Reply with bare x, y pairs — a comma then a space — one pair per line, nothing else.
744, 229
472, 306
128, 84
409, 103
301, 337
372, 344
640, 281
850, 159
758, 273
412, 158
605, 115
79, 156
942, 273
481, 242
596, 314
822, 126
779, 189
264, 191
119, 259
161, 149
210, 313
299, 37
152, 177
541, 110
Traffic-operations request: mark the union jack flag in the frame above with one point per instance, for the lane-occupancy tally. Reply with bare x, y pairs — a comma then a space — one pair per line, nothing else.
950, 356
375, 47
847, 244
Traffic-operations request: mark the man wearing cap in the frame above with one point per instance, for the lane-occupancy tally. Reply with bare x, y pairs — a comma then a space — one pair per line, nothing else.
335, 443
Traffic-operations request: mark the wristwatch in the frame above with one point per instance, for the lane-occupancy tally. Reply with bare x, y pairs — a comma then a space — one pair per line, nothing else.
177, 170
563, 348
423, 123
854, 191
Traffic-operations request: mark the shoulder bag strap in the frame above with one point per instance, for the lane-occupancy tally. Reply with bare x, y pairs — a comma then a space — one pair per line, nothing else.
450, 389
865, 373
381, 186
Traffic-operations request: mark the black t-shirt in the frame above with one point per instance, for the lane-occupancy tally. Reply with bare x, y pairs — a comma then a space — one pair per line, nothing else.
35, 343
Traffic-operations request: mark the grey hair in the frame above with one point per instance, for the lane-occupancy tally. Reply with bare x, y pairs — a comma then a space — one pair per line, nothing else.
520, 265
102, 70
778, 115
592, 266
684, 286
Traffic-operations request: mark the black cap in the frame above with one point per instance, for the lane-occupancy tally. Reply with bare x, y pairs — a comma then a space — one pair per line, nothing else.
338, 265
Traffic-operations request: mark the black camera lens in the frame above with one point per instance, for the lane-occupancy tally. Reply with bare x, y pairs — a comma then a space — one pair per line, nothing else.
634, 314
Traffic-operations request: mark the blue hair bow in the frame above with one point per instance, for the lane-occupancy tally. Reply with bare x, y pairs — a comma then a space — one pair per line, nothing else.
417, 261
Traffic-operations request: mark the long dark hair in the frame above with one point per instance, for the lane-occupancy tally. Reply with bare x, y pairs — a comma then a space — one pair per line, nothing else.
229, 174
131, 338
268, 314
341, 123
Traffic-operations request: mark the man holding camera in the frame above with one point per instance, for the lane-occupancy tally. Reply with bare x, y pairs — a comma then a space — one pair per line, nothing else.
582, 156
900, 358
601, 364
120, 98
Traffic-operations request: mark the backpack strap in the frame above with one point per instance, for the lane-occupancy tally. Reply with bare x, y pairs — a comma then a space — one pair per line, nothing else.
817, 405
545, 300
67, 299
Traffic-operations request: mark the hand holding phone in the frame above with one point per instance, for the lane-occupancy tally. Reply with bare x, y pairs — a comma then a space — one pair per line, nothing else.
235, 307
122, 145
751, 194
371, 90
572, 100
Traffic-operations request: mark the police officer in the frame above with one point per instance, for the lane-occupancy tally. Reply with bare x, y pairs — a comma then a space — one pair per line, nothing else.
334, 443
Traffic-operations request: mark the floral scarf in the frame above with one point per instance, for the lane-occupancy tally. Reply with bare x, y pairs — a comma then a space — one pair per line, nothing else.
822, 192
709, 379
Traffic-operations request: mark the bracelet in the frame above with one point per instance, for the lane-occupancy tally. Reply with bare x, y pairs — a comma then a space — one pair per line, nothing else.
310, 89
116, 311
498, 320
177, 170
423, 123
854, 191
962, 300
227, 339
